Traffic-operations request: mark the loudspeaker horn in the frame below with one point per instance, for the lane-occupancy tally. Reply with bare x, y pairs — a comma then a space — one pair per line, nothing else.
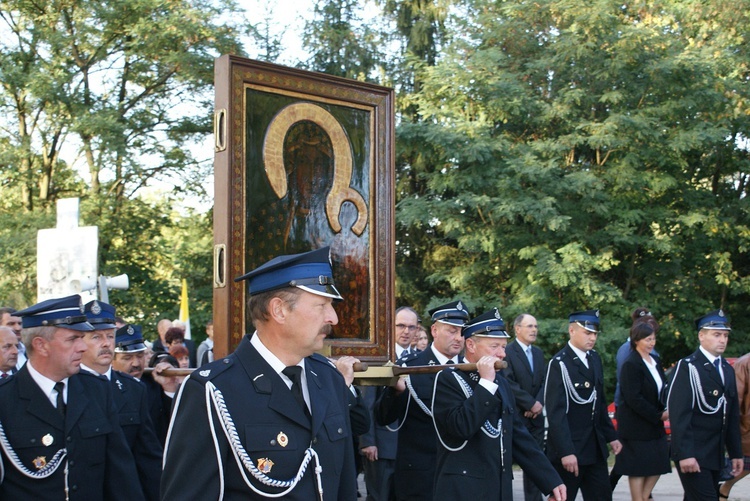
119, 282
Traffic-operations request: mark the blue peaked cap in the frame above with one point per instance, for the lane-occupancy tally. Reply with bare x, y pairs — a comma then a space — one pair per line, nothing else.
129, 339
100, 315
453, 313
309, 271
588, 319
488, 324
65, 313
716, 320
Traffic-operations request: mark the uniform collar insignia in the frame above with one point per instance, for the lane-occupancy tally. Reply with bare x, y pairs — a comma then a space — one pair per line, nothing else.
205, 373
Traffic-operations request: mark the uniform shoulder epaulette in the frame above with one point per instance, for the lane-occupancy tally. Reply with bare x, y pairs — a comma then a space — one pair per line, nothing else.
97, 377
317, 357
689, 359
213, 369
125, 376
409, 357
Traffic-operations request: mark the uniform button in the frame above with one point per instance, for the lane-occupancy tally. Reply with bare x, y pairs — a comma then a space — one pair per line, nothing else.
33, 440
464, 472
273, 442
71, 463
69, 439
226, 360
340, 431
74, 488
97, 429
315, 440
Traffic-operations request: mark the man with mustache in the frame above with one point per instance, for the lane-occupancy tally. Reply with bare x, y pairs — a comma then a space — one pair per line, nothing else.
271, 418
62, 434
130, 396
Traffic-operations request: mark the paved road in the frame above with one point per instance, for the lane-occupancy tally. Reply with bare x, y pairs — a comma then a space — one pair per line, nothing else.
667, 489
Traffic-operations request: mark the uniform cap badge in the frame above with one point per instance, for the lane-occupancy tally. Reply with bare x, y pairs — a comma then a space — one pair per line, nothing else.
282, 439
130, 330
95, 308
40, 462
48, 440
265, 465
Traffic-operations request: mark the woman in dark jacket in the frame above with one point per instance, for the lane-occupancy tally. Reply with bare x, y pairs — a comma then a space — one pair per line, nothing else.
640, 418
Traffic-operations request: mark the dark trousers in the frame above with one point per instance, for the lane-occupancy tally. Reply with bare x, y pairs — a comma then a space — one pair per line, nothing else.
592, 480
701, 486
379, 479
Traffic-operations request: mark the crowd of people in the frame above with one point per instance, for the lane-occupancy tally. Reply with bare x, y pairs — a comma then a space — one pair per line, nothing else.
82, 418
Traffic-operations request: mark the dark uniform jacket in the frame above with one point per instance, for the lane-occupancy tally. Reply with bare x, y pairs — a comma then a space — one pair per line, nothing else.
697, 433
100, 464
639, 415
159, 407
270, 426
482, 468
577, 428
528, 387
131, 401
417, 441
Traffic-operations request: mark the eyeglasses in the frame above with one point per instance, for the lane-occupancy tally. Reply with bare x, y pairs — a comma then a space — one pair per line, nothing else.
409, 328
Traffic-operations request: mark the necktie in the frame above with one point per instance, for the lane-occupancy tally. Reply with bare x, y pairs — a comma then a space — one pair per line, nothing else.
294, 372
59, 387
531, 359
717, 364
449, 361
4, 375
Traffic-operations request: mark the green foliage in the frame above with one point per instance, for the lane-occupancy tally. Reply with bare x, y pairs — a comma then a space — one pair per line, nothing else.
576, 155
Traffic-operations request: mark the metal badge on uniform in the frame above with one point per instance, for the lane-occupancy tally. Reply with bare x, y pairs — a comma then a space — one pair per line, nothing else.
282, 439
265, 465
40, 462
715, 393
205, 373
119, 384
432, 362
95, 308
130, 330
48, 440
587, 384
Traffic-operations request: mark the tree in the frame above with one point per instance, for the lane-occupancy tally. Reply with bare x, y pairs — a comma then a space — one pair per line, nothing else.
583, 155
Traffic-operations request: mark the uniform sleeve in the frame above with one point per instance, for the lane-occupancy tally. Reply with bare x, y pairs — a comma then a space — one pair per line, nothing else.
191, 467
390, 406
555, 402
359, 414
680, 405
147, 451
529, 456
119, 463
456, 417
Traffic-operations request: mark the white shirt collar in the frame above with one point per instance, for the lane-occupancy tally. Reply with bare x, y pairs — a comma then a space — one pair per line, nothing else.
400, 350
710, 357
47, 385
272, 360
442, 358
581, 354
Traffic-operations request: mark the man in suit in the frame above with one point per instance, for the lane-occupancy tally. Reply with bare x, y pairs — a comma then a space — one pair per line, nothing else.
410, 401
379, 445
273, 416
579, 426
526, 373
8, 352
63, 435
704, 411
480, 433
130, 396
